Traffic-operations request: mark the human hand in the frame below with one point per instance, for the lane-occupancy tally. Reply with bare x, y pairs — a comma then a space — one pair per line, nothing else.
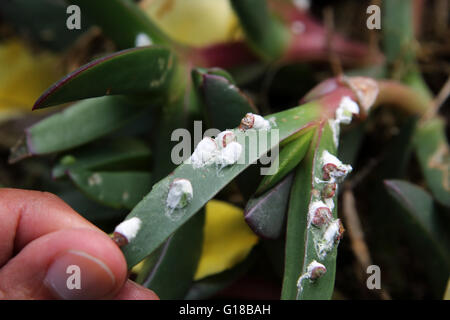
41, 236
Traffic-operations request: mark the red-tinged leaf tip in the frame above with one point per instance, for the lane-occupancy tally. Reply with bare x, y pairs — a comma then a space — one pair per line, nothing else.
40, 102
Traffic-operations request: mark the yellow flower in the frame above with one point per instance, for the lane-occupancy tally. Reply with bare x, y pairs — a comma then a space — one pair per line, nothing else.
227, 239
194, 22
23, 78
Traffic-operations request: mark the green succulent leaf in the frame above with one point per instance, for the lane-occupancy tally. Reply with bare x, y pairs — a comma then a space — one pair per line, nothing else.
265, 214
267, 36
431, 147
158, 222
122, 21
419, 206
224, 104
106, 156
302, 238
288, 158
114, 189
172, 273
398, 31
74, 127
146, 70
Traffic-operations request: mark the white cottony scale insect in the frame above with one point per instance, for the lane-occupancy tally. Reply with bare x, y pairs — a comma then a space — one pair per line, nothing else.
229, 155
128, 230
224, 138
180, 194
142, 40
333, 169
319, 213
331, 236
204, 153
314, 271
347, 107
254, 121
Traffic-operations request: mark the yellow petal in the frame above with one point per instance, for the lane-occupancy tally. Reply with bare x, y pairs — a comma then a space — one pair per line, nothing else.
194, 22
447, 291
227, 239
24, 77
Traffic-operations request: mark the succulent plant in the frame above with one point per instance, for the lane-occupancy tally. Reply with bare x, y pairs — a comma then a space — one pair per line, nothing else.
156, 85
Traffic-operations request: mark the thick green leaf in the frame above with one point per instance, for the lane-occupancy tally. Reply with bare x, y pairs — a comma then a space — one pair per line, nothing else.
157, 222
288, 158
106, 156
431, 147
427, 231
265, 34
79, 124
302, 237
224, 104
398, 31
419, 205
174, 270
266, 213
146, 70
114, 189
122, 21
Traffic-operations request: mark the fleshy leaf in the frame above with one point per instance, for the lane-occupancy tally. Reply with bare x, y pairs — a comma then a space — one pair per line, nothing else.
266, 213
224, 104
172, 272
158, 222
113, 155
73, 126
288, 158
303, 238
146, 70
418, 204
114, 189
266, 35
432, 150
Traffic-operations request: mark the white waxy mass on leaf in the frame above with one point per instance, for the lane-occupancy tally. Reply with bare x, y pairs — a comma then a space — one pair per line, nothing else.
313, 271
339, 171
129, 228
347, 107
254, 121
204, 153
224, 138
222, 151
229, 155
180, 194
142, 40
344, 114
329, 238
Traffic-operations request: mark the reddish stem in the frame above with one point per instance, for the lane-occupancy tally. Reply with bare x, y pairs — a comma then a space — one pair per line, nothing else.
311, 41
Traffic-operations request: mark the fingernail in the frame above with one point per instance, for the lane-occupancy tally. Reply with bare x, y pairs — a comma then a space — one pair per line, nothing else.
76, 275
